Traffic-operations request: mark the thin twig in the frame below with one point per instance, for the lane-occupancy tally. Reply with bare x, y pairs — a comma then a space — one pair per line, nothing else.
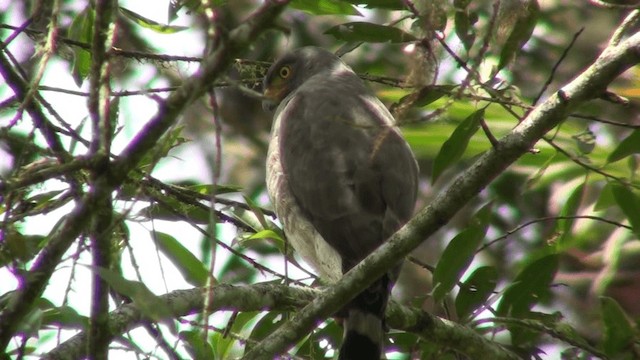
550, 218
556, 66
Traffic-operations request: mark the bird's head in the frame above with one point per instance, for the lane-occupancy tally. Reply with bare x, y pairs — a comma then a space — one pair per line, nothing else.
293, 69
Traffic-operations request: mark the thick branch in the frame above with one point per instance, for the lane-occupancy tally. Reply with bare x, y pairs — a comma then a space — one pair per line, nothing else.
101, 224
274, 297
614, 60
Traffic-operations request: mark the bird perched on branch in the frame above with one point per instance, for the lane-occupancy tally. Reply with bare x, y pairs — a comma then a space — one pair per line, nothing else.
341, 178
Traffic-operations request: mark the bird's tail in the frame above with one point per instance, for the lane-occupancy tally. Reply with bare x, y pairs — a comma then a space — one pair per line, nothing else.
364, 326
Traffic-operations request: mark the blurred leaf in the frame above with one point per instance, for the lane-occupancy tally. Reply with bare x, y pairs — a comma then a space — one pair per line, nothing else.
458, 255
529, 288
147, 302
368, 32
194, 214
65, 317
476, 290
197, 347
533, 179
31, 323
192, 5
606, 199
464, 22
114, 113
518, 19
310, 346
168, 141
257, 211
379, 4
629, 202
261, 235
267, 234
224, 344
20, 248
81, 30
325, 7
618, 331
630, 145
427, 95
248, 218
150, 24
209, 189
570, 208
264, 327
42, 198
192, 269
452, 149
236, 271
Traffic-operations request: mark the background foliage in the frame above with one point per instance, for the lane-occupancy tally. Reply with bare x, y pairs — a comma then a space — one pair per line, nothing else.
545, 261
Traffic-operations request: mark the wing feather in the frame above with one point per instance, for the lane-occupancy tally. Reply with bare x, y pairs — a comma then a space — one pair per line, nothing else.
349, 170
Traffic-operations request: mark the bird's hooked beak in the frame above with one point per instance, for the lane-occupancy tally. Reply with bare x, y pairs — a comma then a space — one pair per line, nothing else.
272, 97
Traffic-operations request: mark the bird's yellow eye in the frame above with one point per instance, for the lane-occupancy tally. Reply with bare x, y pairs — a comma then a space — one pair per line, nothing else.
285, 71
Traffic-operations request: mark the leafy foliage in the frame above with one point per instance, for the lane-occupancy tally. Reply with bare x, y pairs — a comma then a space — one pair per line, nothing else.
545, 263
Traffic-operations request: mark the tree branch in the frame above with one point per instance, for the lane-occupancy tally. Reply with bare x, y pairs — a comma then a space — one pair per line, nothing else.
61, 238
273, 297
613, 61
196, 86
98, 105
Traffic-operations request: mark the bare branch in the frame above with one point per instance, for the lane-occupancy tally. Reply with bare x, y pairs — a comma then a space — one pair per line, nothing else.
273, 297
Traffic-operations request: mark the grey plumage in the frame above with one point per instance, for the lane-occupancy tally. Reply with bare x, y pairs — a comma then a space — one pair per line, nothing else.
341, 178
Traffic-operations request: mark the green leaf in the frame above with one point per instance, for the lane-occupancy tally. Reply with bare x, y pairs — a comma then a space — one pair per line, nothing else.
41, 200
464, 22
209, 189
146, 301
427, 95
570, 208
150, 24
630, 204
368, 32
237, 271
476, 290
379, 4
197, 347
262, 235
539, 173
65, 317
521, 17
459, 254
81, 30
529, 288
168, 141
192, 269
630, 145
606, 199
325, 7
195, 214
265, 326
224, 344
114, 113
453, 149
618, 331
17, 247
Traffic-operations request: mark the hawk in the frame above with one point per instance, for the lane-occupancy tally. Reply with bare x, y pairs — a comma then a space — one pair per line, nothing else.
341, 179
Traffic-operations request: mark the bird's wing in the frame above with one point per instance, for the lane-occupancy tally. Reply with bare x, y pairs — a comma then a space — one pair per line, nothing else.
349, 170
